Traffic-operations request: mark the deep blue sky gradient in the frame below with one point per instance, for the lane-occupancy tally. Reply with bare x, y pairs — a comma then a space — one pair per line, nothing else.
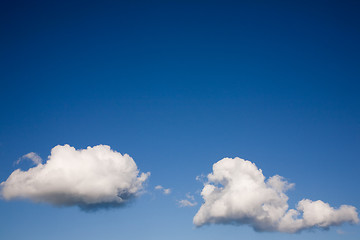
179, 85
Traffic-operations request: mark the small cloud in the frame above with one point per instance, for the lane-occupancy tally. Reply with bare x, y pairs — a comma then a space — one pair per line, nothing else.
189, 202
339, 231
165, 191
35, 158
158, 187
201, 178
186, 203
189, 196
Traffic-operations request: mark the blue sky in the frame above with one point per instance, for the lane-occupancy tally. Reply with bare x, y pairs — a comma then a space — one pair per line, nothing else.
179, 85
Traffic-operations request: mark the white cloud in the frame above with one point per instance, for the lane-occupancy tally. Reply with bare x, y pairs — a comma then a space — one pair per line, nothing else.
238, 193
189, 196
201, 178
189, 202
186, 203
166, 191
90, 178
36, 159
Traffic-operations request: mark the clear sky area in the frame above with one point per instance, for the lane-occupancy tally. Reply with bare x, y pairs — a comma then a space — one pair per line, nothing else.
114, 113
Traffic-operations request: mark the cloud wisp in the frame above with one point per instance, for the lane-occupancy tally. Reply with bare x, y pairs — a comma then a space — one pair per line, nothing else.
35, 158
188, 202
238, 193
165, 191
92, 178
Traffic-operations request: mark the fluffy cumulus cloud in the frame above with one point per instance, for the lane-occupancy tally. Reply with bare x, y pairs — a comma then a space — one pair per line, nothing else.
238, 193
90, 178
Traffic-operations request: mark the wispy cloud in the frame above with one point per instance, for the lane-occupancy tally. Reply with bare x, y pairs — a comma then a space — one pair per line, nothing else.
165, 191
237, 193
189, 202
189, 196
186, 203
92, 178
201, 178
35, 158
